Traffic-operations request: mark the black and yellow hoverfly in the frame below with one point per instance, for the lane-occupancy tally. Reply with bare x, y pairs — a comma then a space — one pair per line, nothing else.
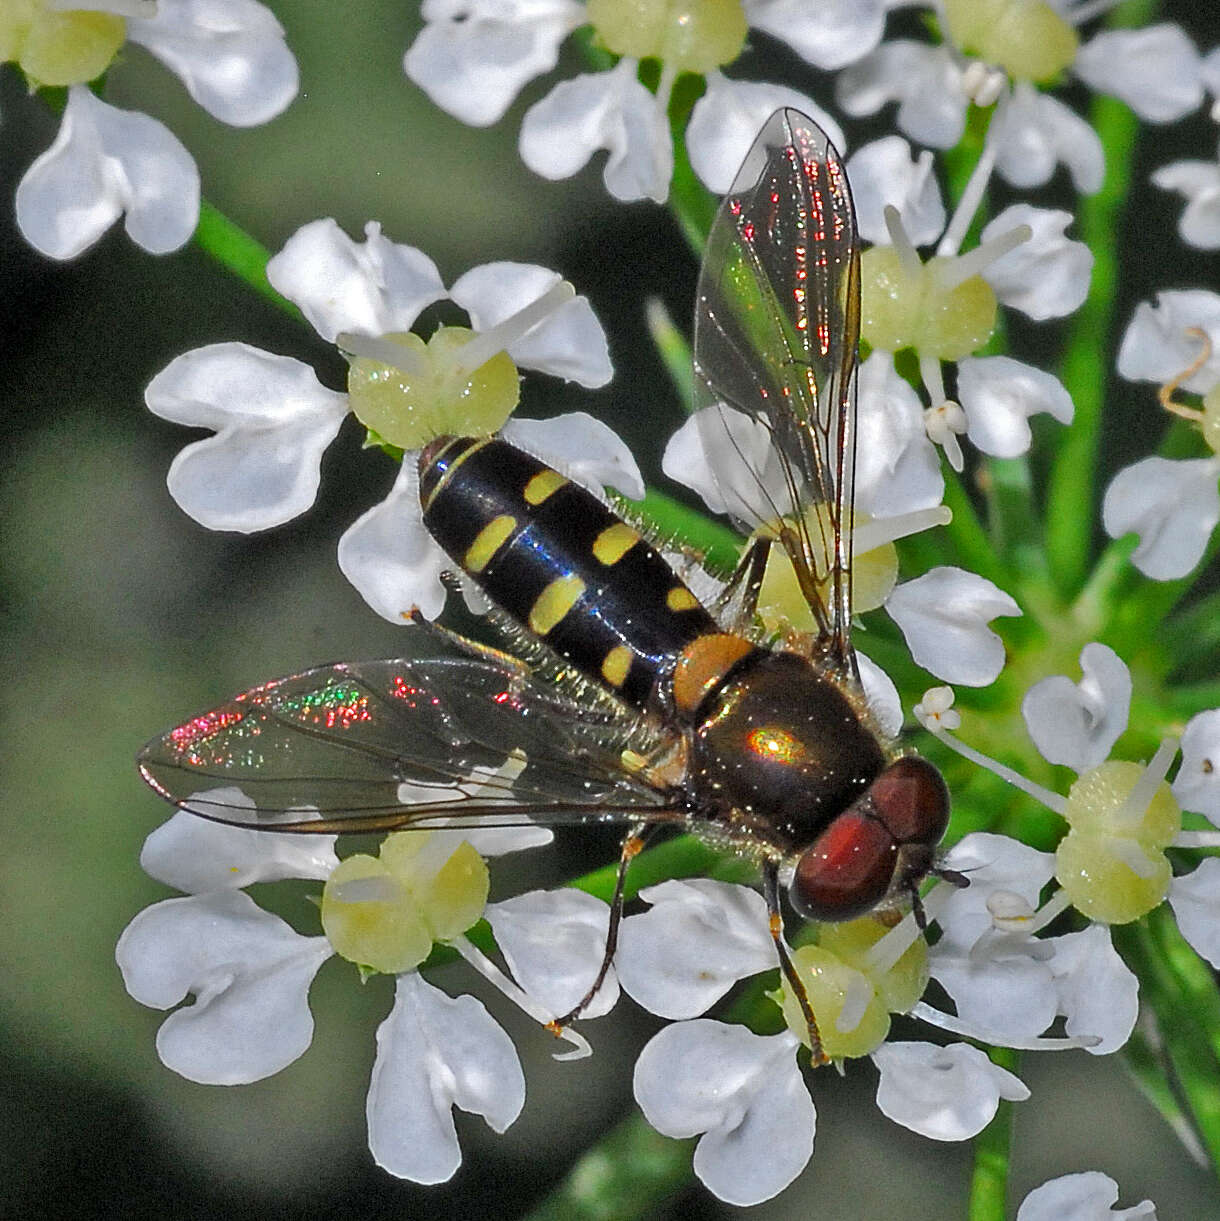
672, 711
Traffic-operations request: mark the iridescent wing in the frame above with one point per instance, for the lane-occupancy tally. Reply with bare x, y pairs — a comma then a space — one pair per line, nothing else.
384, 745
777, 321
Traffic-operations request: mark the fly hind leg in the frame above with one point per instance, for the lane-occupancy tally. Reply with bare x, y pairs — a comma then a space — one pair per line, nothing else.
817, 1052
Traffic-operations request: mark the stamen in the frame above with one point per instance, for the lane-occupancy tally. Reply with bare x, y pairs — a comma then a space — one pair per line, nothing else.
1058, 903
908, 256
1166, 392
385, 352
1051, 800
515, 327
972, 196
975, 261
1197, 839
1132, 855
882, 530
855, 1003
376, 889
944, 1021
521, 999
883, 956
1131, 812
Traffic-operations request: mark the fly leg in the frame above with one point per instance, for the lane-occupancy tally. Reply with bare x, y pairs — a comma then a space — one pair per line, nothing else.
817, 1053
734, 608
632, 845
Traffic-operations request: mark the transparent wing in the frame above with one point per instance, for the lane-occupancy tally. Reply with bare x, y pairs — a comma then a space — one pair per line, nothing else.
777, 321
383, 745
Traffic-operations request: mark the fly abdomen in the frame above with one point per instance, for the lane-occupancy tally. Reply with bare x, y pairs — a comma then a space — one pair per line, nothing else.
560, 562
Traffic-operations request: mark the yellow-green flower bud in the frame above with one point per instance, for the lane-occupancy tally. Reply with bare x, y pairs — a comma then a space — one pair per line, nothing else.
900, 310
435, 393
1026, 38
686, 35
58, 47
1096, 872
829, 983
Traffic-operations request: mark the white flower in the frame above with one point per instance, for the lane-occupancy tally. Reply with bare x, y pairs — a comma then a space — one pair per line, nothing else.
1197, 784
272, 418
1157, 71
1089, 1196
742, 1093
473, 57
106, 162
250, 975
1078, 724
1199, 183
1026, 262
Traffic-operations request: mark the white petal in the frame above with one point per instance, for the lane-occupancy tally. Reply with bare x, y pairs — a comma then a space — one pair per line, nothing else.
1195, 899
943, 1093
230, 54
882, 696
473, 56
1155, 70
1199, 182
698, 939
1009, 995
1077, 723
730, 114
553, 942
944, 615
1080, 1197
1197, 784
1033, 132
1209, 71
249, 972
829, 35
106, 162
926, 82
999, 394
728, 458
992, 863
570, 343
273, 419
884, 173
1046, 276
435, 1052
897, 468
1173, 506
583, 448
374, 287
1156, 346
609, 110
197, 855
390, 557
744, 1091
1097, 993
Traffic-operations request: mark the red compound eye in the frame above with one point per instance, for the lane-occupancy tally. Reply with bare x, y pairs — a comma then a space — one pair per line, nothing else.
884, 839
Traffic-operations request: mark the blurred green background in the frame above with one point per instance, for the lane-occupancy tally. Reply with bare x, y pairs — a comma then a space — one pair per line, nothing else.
121, 617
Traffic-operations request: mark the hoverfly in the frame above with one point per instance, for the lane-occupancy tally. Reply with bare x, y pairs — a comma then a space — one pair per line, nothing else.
681, 714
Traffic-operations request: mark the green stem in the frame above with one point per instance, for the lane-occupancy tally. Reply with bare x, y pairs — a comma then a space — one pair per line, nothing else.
992, 1153
233, 248
629, 1173
1180, 990
1086, 363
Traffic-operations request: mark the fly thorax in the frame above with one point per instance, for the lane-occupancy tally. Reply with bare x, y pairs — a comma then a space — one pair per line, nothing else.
782, 744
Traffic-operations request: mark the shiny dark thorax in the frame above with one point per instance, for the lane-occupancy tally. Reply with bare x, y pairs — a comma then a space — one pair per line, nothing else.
780, 746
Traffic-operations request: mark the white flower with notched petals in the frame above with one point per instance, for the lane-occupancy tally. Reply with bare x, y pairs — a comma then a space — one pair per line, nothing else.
1089, 1196
250, 973
1008, 56
107, 162
272, 418
474, 56
742, 1093
1111, 865
1172, 504
1078, 723
1024, 261
1198, 182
